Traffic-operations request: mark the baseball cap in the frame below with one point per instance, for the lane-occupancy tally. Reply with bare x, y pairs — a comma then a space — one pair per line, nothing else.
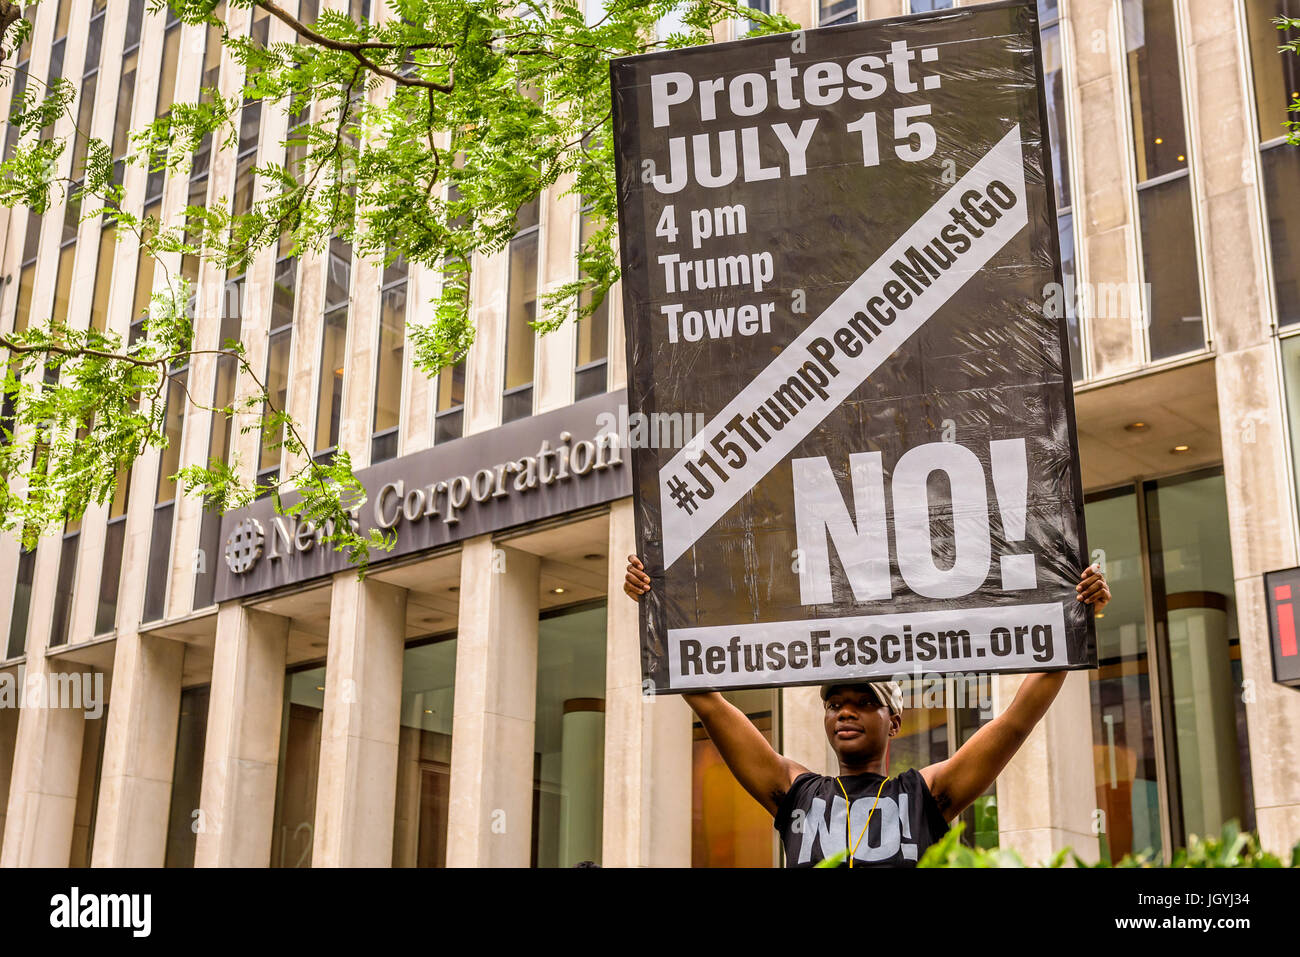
889, 693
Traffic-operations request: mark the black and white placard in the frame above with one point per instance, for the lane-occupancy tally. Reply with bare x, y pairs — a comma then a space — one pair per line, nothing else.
851, 422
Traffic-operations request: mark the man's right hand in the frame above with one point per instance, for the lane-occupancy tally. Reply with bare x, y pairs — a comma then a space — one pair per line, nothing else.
636, 583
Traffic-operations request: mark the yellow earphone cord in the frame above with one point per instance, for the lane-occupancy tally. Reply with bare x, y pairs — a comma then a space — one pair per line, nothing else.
848, 813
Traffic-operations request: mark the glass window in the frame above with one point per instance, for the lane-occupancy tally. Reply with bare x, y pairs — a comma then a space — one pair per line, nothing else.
926, 6
103, 278
87, 802
1155, 89
295, 793
388, 370
187, 777
61, 616
277, 387
155, 591
1169, 260
1123, 731
728, 827
170, 58
223, 394
424, 754
329, 408
329, 404
114, 539
1282, 201
1169, 249
1277, 74
744, 25
27, 272
520, 338
450, 414
1291, 377
1193, 591
593, 337
22, 603
1065, 226
1054, 80
836, 11
19, 88
125, 95
63, 283
569, 747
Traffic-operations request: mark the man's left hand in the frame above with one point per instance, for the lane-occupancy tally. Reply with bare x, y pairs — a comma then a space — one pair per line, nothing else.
1092, 588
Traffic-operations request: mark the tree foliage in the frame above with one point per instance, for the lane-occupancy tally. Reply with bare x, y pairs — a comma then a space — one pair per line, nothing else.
417, 135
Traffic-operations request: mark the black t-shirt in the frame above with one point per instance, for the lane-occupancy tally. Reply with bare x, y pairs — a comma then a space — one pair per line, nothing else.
813, 825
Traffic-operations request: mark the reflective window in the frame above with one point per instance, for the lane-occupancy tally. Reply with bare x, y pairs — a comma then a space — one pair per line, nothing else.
187, 777
1065, 227
745, 25
1291, 378
1282, 202
1169, 249
1186, 663
424, 754
1169, 261
1155, 90
1054, 80
18, 615
295, 790
389, 363
88, 778
1194, 592
114, 539
521, 310
836, 11
60, 619
1276, 74
591, 375
103, 278
926, 6
1123, 731
728, 827
569, 743
334, 334
155, 589
450, 415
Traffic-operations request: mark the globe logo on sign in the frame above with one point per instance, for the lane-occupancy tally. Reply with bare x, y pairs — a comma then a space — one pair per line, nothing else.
244, 546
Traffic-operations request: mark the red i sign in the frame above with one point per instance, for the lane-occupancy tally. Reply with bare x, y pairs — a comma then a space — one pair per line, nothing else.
1282, 590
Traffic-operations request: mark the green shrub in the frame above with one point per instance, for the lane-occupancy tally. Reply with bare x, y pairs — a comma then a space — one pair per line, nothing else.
1232, 848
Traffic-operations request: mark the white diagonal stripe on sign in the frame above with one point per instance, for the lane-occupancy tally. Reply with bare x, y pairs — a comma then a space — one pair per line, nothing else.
1003, 163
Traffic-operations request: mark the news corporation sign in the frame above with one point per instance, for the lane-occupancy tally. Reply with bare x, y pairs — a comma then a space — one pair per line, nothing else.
523, 472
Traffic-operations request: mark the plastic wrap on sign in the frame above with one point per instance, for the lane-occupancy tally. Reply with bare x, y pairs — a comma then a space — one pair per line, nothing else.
851, 420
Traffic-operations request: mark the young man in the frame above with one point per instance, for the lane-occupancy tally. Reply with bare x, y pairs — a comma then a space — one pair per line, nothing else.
882, 821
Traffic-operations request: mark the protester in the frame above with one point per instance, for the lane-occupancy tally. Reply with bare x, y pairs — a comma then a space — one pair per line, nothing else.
819, 815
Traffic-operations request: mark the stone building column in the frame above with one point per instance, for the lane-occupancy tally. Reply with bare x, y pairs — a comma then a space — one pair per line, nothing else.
803, 730
357, 789
1261, 523
139, 753
1046, 794
1104, 191
242, 749
647, 820
489, 821
43, 787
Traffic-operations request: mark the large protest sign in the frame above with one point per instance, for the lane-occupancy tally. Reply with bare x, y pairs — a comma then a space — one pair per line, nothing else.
853, 433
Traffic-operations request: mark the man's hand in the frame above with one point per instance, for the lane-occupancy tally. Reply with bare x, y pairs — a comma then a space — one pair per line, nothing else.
636, 583
1092, 588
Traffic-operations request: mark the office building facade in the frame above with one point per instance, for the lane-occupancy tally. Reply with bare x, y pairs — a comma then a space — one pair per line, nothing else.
476, 699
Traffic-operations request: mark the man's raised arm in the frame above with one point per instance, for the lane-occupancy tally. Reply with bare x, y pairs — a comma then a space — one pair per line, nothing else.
957, 782
762, 772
